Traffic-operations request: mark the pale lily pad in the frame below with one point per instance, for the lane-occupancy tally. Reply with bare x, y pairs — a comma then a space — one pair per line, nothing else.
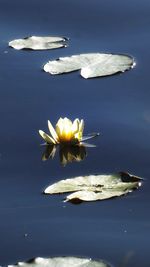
38, 43
95, 187
62, 262
92, 65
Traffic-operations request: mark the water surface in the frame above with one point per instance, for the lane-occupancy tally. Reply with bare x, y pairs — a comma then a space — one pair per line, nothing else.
118, 107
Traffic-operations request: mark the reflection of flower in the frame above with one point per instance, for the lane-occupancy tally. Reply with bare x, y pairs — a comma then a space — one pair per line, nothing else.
71, 153
66, 153
49, 152
66, 132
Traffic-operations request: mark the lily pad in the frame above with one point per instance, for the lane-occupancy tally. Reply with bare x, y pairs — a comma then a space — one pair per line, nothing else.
95, 187
92, 65
38, 43
62, 262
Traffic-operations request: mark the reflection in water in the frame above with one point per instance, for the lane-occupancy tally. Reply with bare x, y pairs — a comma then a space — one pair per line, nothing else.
49, 152
66, 153
71, 153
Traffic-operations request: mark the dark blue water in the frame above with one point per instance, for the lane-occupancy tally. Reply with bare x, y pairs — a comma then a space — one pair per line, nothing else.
32, 224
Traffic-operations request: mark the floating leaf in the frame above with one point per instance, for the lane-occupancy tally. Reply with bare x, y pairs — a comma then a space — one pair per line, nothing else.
38, 43
95, 187
91, 65
62, 262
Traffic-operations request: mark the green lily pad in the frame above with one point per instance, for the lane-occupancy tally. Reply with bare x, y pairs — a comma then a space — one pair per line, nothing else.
92, 65
62, 262
38, 43
95, 187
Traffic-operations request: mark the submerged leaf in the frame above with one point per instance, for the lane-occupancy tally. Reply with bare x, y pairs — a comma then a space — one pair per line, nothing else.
38, 43
62, 262
91, 65
95, 187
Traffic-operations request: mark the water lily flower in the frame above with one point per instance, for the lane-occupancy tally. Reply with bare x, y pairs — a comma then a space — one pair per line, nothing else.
65, 132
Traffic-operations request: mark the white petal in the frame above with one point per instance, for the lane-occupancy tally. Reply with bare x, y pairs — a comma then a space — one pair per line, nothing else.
59, 126
87, 144
52, 131
81, 126
46, 137
67, 126
67, 121
84, 138
75, 126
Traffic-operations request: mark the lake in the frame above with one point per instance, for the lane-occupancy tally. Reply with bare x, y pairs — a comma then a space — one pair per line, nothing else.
33, 224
